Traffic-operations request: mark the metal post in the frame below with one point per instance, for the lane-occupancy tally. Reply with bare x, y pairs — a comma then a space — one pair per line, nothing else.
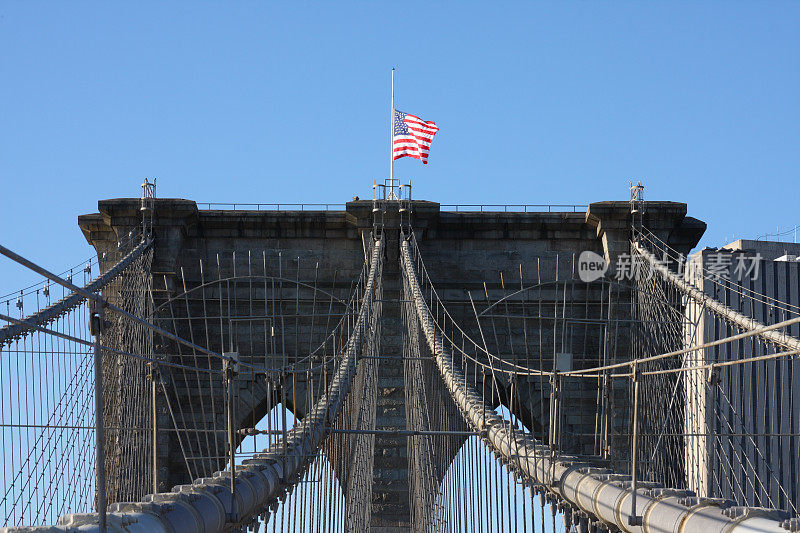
154, 414
554, 417
559, 409
391, 135
231, 448
97, 325
634, 519
483, 396
230, 367
283, 417
553, 410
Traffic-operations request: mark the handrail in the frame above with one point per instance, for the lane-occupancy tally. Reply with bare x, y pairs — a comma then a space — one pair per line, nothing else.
489, 208
517, 208
243, 206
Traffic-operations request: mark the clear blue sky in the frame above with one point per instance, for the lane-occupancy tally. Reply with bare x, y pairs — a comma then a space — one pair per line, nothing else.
288, 102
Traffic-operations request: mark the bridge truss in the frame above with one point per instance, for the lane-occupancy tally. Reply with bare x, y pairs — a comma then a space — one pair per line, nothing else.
682, 441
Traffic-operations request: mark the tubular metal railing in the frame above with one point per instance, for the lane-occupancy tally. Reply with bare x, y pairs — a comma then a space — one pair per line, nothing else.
515, 208
222, 206
489, 208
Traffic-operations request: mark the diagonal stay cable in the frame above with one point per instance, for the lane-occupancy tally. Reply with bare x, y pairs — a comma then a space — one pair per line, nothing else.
703, 299
84, 342
52, 312
100, 300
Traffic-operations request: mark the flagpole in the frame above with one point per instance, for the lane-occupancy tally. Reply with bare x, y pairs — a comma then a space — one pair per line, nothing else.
391, 137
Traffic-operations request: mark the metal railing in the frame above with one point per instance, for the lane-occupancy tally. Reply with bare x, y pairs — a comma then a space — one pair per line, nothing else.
269, 207
515, 208
491, 208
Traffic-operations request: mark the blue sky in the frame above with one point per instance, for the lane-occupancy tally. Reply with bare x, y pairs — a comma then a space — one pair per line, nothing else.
288, 102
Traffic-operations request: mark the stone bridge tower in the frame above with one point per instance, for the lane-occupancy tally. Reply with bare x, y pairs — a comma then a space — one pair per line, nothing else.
463, 251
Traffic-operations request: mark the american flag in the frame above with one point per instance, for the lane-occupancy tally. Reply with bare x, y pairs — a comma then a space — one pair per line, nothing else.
412, 136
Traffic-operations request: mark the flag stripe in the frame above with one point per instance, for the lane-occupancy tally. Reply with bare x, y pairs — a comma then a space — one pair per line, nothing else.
413, 118
414, 127
423, 127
